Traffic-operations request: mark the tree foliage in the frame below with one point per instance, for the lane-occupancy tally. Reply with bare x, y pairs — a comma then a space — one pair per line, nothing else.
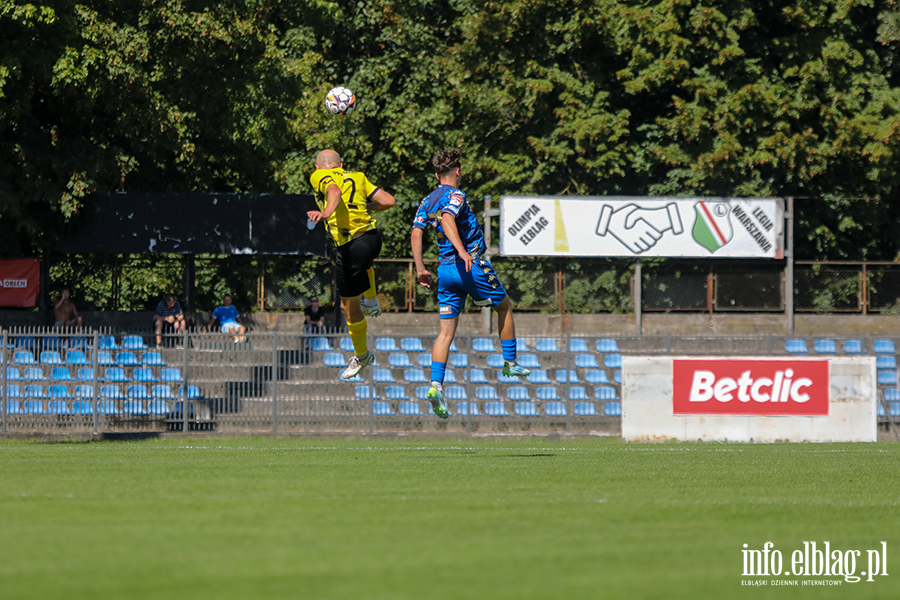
656, 97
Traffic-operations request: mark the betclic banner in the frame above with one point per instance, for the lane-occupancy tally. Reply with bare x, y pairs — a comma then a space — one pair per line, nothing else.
19, 282
637, 226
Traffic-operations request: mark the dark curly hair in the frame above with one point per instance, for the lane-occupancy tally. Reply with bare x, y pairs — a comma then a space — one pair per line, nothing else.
446, 160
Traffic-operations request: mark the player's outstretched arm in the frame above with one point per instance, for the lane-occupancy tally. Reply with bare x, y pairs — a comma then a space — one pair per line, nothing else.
380, 200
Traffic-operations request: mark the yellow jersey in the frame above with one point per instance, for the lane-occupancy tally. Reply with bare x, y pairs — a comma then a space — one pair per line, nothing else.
351, 216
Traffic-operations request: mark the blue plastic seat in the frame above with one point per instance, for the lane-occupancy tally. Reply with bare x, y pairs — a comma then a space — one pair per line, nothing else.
453, 347
795, 347
382, 408
894, 410
546, 345
449, 376
127, 359
53, 342
400, 360
412, 344
414, 376
578, 345
85, 374
334, 359
107, 342
364, 392
134, 407
13, 391
605, 393
462, 409
529, 361
382, 376
107, 407
555, 409
161, 392
612, 361
607, 346
84, 391
613, 409
476, 376
153, 359
346, 344
116, 374
883, 347
12, 374
518, 393
825, 347
886, 361
57, 391
409, 409
596, 376
133, 342
494, 361
507, 378
60, 374
460, 361
320, 344
887, 377
386, 344
561, 376
158, 407
138, 392
586, 361
193, 392
585, 409
105, 358
111, 392
76, 358
33, 407
33, 374
617, 377
23, 357
455, 392
521, 346
13, 407
495, 409
25, 341
79, 342
178, 409
51, 357
143, 374
892, 395
58, 407
577, 393
546, 393
483, 345
83, 407
395, 392
170, 375
423, 360
538, 376
486, 392
853, 347
526, 409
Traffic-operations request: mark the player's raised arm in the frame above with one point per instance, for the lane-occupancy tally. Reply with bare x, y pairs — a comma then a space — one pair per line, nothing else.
380, 200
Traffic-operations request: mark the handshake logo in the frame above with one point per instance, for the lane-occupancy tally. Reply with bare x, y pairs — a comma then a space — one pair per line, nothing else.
639, 228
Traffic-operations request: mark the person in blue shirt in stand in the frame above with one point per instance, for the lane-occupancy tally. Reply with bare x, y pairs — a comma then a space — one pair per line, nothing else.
229, 320
463, 271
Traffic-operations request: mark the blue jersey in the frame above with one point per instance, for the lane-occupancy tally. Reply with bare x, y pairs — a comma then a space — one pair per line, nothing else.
446, 199
225, 314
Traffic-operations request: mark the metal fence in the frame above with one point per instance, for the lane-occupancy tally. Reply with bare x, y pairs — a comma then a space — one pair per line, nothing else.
94, 381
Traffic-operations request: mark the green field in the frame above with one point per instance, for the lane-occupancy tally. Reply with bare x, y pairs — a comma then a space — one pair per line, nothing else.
487, 518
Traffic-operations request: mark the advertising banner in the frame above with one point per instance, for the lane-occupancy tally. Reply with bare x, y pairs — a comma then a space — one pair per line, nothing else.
641, 226
750, 387
19, 282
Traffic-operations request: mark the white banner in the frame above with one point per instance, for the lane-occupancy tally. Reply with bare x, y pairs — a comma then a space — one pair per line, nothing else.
641, 226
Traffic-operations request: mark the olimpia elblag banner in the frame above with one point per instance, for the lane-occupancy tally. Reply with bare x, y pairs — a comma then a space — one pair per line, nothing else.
641, 226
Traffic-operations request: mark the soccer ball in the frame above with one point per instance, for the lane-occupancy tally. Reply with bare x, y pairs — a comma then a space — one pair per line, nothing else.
340, 101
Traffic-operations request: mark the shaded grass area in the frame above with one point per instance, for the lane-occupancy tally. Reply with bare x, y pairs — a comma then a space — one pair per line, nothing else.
279, 518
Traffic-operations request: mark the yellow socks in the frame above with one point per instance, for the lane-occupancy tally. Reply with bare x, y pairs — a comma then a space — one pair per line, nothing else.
358, 332
370, 293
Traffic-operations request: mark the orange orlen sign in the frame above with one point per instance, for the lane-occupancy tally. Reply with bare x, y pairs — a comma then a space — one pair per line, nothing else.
768, 387
19, 282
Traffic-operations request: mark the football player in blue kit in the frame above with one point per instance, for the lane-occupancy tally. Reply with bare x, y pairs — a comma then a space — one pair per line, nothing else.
463, 271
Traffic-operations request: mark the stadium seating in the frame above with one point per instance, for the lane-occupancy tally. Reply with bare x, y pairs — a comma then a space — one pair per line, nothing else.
607, 346
853, 347
483, 345
883, 347
460, 361
364, 392
76, 358
144, 374
596, 376
79, 342
13, 407
34, 391
395, 392
409, 409
538, 376
825, 347
546, 393
162, 392
887, 377
84, 391
586, 361
494, 361
475, 376
386, 344
455, 392
486, 393
157, 407
462, 409
60, 374
83, 407
193, 392
886, 361
105, 358
414, 376
526, 409
107, 342
576, 393
133, 342
892, 395
453, 347
382, 376
605, 393
111, 392
52, 342
506, 378
127, 359
320, 344
23, 357
13, 391
33, 374
334, 359
521, 346
57, 391
612, 361
85, 374
613, 409
578, 345
546, 345
170, 374
529, 361
58, 407
107, 407
33, 407
449, 376
134, 407
382, 408
138, 392
152, 359
617, 377
424, 360
399, 359
12, 374
585, 409
555, 409
517, 393
346, 344
25, 341
116, 374
51, 357
561, 376
412, 344
495, 409
795, 347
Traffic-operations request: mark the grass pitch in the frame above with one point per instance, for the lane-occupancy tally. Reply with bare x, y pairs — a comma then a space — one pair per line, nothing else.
388, 519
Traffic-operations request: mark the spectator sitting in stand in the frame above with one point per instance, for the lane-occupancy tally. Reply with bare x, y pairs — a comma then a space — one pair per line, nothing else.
170, 316
229, 320
315, 317
65, 312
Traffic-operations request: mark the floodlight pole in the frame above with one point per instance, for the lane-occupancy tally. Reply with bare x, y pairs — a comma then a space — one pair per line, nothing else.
637, 296
488, 213
789, 265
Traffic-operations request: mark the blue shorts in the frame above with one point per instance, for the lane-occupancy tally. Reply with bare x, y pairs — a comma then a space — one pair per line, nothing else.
454, 284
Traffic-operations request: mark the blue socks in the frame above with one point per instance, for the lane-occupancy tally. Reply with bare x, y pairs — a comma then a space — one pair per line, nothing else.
437, 371
509, 350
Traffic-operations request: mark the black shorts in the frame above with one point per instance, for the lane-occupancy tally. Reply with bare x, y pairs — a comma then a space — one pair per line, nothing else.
353, 262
